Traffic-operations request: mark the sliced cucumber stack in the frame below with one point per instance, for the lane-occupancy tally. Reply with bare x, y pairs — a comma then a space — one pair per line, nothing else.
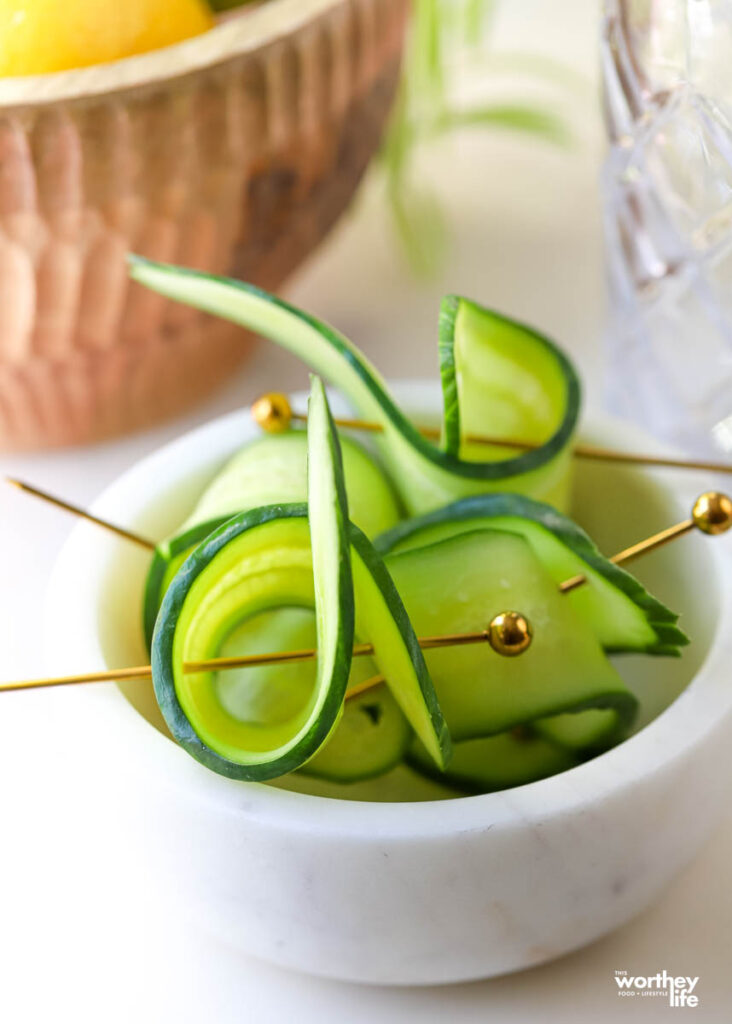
500, 378
615, 605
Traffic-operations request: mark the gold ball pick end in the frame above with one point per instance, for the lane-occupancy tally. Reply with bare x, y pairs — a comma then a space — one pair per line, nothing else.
712, 512
272, 412
510, 634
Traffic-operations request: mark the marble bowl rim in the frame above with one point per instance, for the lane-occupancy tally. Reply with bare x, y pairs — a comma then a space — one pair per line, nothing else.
678, 731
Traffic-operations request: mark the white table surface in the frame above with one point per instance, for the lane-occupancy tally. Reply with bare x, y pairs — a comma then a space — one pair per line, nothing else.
84, 941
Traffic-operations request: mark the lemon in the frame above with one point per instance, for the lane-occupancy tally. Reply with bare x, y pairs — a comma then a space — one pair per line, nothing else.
38, 36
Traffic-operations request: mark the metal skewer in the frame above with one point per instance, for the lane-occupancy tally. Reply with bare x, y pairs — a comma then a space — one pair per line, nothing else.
81, 513
712, 514
509, 634
274, 414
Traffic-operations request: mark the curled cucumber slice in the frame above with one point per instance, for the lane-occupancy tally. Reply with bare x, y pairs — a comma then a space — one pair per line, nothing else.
457, 585
252, 563
381, 616
500, 378
260, 567
280, 558
613, 603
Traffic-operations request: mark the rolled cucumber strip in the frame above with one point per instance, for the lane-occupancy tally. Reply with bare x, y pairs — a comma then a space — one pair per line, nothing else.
614, 604
260, 563
252, 563
276, 558
500, 378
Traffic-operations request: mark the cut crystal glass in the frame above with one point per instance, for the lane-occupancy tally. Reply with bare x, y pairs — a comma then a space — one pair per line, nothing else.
667, 186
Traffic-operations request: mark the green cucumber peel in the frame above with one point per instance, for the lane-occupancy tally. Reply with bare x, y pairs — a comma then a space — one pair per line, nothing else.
425, 475
168, 556
448, 375
166, 679
657, 633
419, 701
490, 361
335, 613
333, 577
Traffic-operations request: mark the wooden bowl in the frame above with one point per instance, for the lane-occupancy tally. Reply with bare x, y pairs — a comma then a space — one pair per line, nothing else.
234, 152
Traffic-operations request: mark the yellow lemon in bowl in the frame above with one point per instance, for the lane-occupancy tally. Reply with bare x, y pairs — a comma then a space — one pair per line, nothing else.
40, 36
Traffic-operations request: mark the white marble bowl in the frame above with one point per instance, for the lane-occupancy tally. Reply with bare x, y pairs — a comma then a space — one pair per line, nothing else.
398, 892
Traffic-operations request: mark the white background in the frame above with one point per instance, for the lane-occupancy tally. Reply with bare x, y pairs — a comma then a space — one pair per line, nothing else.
85, 941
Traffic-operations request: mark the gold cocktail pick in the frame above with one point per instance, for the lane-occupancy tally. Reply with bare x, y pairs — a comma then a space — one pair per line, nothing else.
711, 514
81, 513
509, 633
274, 414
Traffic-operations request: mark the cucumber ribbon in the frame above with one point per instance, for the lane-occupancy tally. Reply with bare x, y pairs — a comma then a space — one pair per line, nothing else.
289, 555
499, 378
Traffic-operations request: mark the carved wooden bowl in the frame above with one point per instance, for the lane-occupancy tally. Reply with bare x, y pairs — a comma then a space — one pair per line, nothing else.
234, 152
